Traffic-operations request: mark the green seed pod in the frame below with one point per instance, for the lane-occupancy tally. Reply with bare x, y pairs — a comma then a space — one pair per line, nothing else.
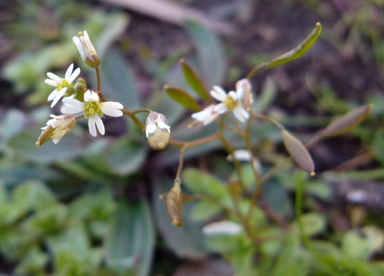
346, 122
173, 201
298, 152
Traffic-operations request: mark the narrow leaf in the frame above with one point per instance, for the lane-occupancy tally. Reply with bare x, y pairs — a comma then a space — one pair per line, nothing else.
298, 152
300, 50
295, 53
182, 97
346, 122
194, 81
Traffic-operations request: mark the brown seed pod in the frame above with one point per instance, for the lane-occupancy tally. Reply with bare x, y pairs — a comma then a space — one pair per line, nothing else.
173, 201
298, 152
346, 122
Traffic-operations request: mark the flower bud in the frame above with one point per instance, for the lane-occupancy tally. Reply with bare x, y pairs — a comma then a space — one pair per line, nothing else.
80, 88
86, 49
246, 93
157, 131
56, 128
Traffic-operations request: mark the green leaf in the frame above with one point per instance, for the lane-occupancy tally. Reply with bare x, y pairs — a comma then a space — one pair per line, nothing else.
296, 53
127, 156
357, 246
182, 97
277, 197
200, 182
33, 195
118, 81
313, 224
131, 235
24, 145
203, 210
210, 53
185, 241
33, 263
194, 81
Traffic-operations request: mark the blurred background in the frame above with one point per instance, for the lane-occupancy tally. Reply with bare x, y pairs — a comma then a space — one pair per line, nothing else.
89, 206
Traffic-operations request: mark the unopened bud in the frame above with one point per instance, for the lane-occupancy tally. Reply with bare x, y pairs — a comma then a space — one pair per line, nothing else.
157, 131
246, 95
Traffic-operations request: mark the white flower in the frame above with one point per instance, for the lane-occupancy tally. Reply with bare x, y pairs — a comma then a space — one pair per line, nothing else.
230, 101
222, 228
154, 121
240, 155
86, 49
61, 84
56, 128
93, 110
206, 116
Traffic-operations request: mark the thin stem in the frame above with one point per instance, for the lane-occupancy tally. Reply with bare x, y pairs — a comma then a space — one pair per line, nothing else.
299, 211
181, 162
141, 110
266, 118
133, 117
99, 85
256, 70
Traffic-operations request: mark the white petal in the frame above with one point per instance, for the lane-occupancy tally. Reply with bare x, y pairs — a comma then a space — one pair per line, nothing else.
91, 126
79, 46
113, 105
100, 125
53, 95
111, 112
69, 72
240, 155
91, 96
88, 42
151, 128
163, 125
218, 93
59, 96
74, 102
54, 77
51, 82
201, 116
210, 118
240, 113
233, 95
220, 108
74, 75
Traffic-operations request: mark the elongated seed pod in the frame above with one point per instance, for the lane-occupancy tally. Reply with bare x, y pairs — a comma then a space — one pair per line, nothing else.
298, 152
346, 122
173, 201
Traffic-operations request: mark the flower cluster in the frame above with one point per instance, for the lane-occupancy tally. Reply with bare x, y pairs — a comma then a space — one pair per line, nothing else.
237, 102
78, 100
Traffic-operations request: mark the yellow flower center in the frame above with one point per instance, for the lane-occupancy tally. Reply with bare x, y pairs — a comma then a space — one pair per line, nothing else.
230, 102
62, 85
92, 108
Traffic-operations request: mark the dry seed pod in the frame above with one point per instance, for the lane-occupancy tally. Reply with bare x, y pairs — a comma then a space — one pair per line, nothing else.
298, 152
173, 201
346, 122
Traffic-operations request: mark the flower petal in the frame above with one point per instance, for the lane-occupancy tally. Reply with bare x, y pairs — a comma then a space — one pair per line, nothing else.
218, 93
59, 96
79, 46
52, 95
99, 124
51, 82
74, 75
151, 128
240, 113
68, 73
113, 105
110, 111
92, 126
91, 96
220, 108
54, 77
162, 125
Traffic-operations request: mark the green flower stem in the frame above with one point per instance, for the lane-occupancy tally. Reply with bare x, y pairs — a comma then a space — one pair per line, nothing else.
230, 150
265, 118
186, 145
256, 70
134, 118
141, 110
98, 79
299, 211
